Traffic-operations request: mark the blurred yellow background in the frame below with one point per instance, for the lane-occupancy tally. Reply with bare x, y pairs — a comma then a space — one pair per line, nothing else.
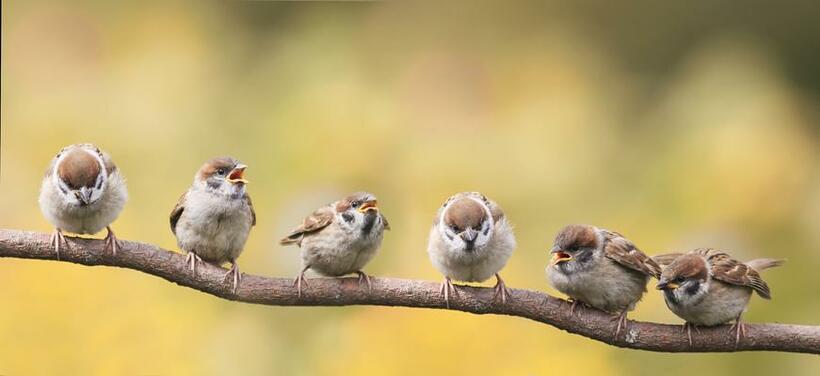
675, 125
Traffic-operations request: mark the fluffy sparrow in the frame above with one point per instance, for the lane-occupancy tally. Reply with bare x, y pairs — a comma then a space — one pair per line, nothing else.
82, 192
212, 219
600, 268
339, 238
471, 240
708, 287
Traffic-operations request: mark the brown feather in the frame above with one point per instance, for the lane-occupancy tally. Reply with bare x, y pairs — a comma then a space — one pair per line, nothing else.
465, 213
177, 212
318, 220
625, 253
79, 169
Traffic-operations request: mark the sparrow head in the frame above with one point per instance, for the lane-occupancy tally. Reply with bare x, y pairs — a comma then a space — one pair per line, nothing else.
360, 210
575, 247
80, 174
223, 175
466, 223
685, 279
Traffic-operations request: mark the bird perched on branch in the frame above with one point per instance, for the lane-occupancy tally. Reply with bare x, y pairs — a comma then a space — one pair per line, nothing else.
82, 192
471, 240
340, 238
600, 268
708, 287
213, 218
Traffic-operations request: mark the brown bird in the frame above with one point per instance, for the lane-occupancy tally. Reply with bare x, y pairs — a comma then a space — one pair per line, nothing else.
82, 192
339, 238
213, 218
708, 287
600, 268
470, 240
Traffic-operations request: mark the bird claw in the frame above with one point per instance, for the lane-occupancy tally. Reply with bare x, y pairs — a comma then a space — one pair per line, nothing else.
500, 289
299, 281
111, 241
192, 259
363, 277
234, 275
56, 239
740, 331
446, 286
574, 303
623, 322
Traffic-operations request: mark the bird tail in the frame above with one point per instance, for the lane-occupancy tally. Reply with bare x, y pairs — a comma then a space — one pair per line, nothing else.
764, 263
288, 240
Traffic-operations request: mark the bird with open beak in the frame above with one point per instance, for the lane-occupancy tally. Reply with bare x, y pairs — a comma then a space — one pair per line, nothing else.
339, 238
470, 240
213, 218
707, 287
82, 192
600, 268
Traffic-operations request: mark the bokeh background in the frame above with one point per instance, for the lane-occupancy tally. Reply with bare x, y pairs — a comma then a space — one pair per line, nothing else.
678, 125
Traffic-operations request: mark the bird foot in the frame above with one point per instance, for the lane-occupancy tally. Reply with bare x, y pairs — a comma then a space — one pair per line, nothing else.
233, 275
500, 289
573, 304
447, 286
299, 281
740, 331
56, 239
623, 322
192, 259
111, 241
365, 278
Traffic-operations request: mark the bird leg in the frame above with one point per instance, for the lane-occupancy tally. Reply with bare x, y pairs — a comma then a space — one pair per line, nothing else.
234, 274
111, 241
300, 280
687, 326
572, 304
622, 322
364, 278
740, 330
500, 289
192, 259
56, 239
446, 286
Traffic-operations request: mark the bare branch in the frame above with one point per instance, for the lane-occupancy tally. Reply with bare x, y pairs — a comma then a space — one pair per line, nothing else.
528, 304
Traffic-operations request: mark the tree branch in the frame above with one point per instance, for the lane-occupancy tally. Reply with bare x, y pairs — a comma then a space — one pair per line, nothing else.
528, 304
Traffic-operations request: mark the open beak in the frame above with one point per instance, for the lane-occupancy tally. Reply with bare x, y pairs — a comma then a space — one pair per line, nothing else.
237, 175
371, 205
664, 285
559, 256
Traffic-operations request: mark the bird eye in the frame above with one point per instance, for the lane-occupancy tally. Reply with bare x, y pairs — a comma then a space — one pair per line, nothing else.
679, 280
220, 171
356, 203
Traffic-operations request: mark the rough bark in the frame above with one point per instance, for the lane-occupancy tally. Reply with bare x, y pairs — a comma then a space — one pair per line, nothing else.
528, 304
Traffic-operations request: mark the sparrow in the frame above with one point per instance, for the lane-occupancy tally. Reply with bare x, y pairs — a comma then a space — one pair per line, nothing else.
82, 192
470, 240
212, 219
601, 269
339, 238
707, 287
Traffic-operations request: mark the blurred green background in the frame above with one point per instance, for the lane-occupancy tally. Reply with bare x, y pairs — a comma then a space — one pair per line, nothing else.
677, 125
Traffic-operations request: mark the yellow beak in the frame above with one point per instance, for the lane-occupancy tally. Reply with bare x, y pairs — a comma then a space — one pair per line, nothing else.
559, 257
369, 205
237, 175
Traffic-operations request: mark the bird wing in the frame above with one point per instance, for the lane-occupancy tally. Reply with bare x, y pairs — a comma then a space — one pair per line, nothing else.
177, 212
726, 269
624, 252
250, 206
384, 220
318, 220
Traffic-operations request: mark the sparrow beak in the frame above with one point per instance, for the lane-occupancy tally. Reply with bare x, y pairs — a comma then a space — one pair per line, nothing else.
371, 205
666, 285
84, 195
469, 235
236, 175
559, 256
